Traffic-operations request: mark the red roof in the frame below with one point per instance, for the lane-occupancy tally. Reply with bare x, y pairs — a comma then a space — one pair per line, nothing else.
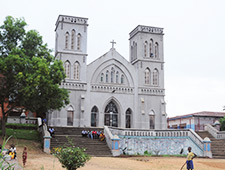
204, 113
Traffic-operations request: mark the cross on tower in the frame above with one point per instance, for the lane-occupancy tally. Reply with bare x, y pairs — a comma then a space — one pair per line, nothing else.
113, 42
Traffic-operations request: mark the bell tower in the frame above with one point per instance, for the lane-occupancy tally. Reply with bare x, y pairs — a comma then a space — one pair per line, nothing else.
146, 52
71, 46
146, 55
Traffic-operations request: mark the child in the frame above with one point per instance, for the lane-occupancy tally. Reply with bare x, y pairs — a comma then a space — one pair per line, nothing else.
24, 156
12, 150
190, 157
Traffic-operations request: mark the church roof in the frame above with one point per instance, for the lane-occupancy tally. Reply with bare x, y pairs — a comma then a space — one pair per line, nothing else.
112, 52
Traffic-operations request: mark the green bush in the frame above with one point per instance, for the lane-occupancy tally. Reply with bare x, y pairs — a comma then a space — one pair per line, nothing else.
222, 124
146, 153
21, 126
71, 157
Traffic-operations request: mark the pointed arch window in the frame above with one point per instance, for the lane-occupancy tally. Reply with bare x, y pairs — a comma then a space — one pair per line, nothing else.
107, 76
67, 69
66, 40
94, 116
112, 75
132, 53
156, 50
146, 49
147, 76
78, 41
76, 71
73, 34
155, 77
135, 50
122, 79
152, 120
102, 77
128, 118
117, 77
151, 54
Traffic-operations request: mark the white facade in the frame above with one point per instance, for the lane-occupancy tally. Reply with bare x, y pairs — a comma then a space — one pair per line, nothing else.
111, 90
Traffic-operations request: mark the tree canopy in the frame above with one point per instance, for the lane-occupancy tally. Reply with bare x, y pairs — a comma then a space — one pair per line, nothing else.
30, 76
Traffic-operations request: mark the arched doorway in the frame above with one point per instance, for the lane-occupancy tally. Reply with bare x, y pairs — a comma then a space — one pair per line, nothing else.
111, 114
128, 118
70, 116
94, 114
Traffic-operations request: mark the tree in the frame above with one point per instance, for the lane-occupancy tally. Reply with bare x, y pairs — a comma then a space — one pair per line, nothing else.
71, 157
30, 76
222, 124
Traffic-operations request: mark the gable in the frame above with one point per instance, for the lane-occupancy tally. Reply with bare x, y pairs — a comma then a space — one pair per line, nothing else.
118, 69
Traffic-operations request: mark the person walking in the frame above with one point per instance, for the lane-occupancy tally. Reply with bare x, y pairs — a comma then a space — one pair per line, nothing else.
24, 156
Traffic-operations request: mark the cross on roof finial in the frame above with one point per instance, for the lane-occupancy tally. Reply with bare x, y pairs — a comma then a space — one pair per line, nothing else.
113, 42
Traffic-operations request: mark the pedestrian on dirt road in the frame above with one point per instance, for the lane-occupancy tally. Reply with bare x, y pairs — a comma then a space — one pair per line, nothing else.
190, 157
24, 156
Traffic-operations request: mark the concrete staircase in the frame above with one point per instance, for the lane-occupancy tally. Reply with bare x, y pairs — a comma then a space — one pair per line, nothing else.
93, 147
217, 145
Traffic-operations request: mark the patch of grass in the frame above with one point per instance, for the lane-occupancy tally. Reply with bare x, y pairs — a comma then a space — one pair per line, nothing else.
23, 134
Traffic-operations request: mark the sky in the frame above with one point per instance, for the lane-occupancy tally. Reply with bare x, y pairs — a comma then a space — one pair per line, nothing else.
194, 48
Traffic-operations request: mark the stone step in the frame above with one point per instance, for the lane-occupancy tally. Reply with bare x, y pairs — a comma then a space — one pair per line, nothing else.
204, 134
73, 130
217, 145
93, 147
217, 148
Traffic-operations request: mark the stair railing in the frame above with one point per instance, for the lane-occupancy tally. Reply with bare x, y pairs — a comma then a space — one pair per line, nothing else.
214, 132
112, 141
46, 137
196, 138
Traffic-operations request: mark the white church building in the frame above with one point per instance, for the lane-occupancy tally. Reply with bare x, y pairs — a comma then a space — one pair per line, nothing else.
111, 91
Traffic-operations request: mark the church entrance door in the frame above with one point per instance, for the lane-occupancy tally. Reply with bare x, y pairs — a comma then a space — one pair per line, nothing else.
111, 115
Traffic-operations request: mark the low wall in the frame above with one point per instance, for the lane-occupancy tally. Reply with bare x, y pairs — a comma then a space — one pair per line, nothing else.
156, 142
27, 120
158, 145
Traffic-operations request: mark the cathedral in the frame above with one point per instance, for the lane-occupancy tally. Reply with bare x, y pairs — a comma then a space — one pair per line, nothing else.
111, 91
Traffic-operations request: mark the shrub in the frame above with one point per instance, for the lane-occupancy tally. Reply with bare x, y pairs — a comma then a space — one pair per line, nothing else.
21, 126
222, 124
146, 152
71, 157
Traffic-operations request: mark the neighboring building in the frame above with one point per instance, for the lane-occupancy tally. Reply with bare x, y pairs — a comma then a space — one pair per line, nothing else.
17, 110
111, 90
195, 121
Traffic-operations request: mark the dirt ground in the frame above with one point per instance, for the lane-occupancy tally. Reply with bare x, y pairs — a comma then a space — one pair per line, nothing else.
49, 162
37, 160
